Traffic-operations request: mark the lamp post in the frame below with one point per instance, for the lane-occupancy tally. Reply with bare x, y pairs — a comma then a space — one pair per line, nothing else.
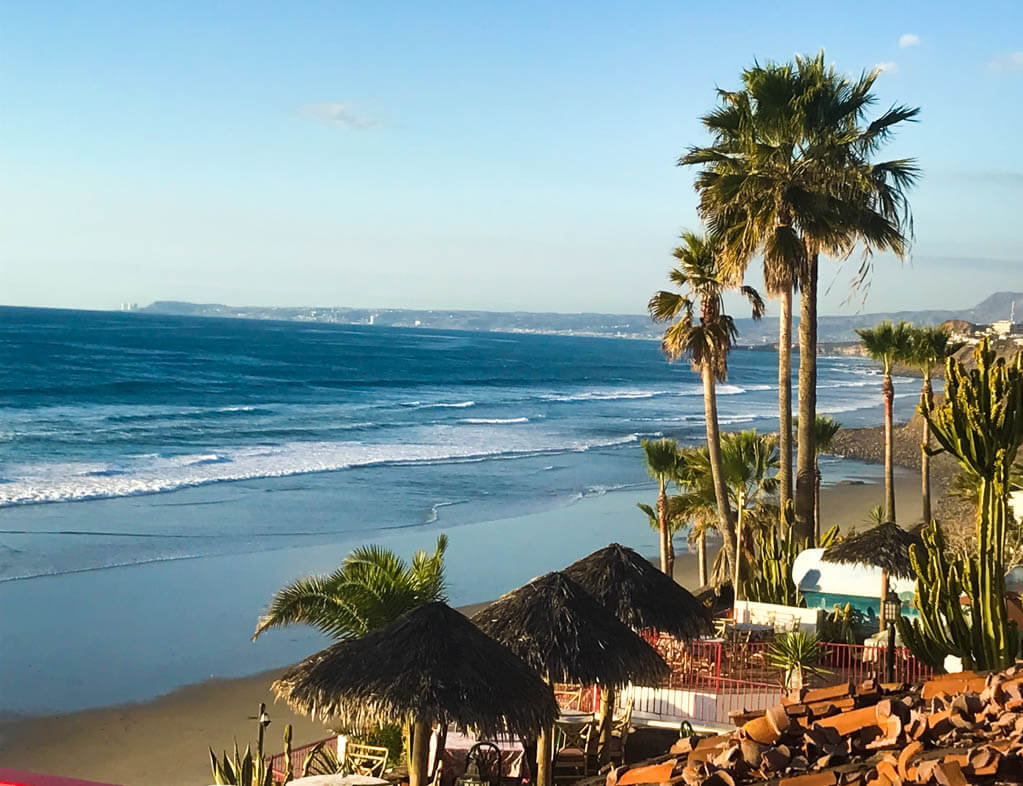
891, 608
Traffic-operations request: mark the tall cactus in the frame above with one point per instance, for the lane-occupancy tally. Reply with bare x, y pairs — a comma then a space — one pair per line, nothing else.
289, 769
981, 424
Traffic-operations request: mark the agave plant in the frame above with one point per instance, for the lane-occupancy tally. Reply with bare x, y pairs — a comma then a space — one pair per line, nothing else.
798, 654
241, 769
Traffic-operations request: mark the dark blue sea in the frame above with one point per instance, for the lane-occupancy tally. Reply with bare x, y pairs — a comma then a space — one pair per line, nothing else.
411, 425
161, 476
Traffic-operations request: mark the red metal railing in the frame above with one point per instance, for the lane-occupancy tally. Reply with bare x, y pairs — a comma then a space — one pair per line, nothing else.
710, 679
858, 663
276, 762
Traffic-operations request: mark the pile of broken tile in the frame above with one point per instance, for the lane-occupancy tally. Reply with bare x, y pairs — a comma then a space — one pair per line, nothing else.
953, 730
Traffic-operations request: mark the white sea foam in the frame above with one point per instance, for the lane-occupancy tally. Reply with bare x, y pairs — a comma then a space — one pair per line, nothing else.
64, 482
438, 404
492, 421
607, 395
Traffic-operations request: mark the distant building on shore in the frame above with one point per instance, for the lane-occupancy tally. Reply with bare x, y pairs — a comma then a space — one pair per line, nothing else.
999, 330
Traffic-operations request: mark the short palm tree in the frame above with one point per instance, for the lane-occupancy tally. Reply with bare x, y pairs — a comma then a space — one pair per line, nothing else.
789, 176
675, 521
825, 430
372, 587
750, 464
930, 347
661, 458
705, 342
888, 344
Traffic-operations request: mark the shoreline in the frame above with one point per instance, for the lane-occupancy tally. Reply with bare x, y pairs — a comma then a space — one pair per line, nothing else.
163, 741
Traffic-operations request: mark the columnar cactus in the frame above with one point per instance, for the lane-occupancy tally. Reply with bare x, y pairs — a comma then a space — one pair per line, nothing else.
772, 580
981, 424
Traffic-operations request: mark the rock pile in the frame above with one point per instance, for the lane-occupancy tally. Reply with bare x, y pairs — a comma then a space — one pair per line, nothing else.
953, 730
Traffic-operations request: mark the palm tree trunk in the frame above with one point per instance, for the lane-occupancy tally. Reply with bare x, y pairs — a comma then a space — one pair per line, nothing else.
806, 449
817, 502
889, 458
662, 525
737, 580
785, 400
710, 411
671, 556
419, 760
701, 558
925, 459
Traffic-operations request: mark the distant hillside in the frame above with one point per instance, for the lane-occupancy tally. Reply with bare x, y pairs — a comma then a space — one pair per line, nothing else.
831, 329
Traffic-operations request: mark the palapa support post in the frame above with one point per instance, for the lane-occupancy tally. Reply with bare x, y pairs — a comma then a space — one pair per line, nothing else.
607, 710
419, 758
544, 756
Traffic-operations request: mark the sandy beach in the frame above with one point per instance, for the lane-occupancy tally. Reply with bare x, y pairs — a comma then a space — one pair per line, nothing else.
163, 742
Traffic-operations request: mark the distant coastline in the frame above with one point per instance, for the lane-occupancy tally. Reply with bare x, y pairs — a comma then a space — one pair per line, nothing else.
834, 332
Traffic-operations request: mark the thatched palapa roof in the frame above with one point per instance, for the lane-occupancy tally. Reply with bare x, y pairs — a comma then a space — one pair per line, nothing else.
639, 594
561, 631
431, 663
885, 546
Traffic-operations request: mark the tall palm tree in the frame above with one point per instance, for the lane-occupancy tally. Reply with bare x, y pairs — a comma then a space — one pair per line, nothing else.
661, 458
372, 587
789, 175
888, 344
705, 342
930, 347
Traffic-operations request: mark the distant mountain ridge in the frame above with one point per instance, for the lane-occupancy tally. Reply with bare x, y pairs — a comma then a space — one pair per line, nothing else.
830, 328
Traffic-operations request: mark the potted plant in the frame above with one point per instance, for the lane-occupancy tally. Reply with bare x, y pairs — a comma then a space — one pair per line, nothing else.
797, 654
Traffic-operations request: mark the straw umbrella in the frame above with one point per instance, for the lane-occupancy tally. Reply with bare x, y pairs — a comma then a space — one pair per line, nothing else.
642, 597
565, 635
431, 664
885, 546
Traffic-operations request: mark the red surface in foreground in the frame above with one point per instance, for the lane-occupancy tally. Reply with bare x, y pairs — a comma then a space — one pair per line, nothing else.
14, 778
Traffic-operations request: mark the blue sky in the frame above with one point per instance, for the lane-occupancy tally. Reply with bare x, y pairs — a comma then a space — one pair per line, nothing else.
511, 155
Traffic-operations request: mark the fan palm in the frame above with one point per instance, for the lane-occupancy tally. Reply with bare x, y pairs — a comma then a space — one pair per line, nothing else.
888, 344
661, 458
675, 518
825, 429
930, 347
705, 342
789, 176
749, 464
372, 587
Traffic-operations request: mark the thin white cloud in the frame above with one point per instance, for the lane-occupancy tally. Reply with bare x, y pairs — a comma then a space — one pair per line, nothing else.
909, 39
890, 67
1013, 61
341, 115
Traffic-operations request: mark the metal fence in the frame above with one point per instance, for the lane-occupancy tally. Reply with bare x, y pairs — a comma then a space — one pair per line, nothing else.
709, 680
298, 755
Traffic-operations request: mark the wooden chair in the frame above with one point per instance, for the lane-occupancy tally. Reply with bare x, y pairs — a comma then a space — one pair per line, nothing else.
621, 727
574, 755
484, 762
365, 760
569, 697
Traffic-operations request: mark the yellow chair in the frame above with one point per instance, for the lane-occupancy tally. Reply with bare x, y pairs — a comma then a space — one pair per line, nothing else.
365, 760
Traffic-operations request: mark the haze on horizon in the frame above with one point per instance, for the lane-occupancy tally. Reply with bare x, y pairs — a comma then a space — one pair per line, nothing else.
457, 156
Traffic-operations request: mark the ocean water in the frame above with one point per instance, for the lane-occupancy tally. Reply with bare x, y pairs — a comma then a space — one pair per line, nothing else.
405, 428
161, 477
